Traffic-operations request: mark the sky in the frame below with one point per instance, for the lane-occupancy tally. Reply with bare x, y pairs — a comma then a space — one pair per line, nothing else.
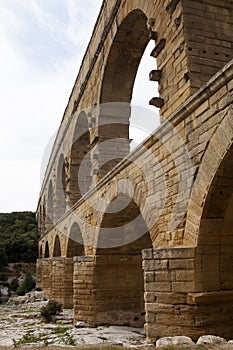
42, 43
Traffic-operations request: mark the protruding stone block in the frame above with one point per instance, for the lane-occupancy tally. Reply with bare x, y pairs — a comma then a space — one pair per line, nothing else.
158, 48
172, 6
155, 75
153, 35
157, 102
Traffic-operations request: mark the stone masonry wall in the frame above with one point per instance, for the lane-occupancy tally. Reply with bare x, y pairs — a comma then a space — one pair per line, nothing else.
173, 304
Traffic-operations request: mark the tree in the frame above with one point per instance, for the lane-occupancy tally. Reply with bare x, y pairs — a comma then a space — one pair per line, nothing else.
18, 237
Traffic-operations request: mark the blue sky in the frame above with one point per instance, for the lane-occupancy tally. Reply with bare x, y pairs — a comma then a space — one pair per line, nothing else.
42, 43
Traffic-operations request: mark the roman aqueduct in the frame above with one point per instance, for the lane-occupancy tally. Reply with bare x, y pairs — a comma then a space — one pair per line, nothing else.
146, 238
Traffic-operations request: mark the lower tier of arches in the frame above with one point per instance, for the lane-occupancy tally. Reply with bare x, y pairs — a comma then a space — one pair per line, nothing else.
159, 289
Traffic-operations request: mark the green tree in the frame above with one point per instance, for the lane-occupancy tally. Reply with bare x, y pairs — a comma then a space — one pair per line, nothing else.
18, 237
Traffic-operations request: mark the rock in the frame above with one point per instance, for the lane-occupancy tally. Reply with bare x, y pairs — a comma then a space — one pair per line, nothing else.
27, 298
178, 340
211, 339
81, 324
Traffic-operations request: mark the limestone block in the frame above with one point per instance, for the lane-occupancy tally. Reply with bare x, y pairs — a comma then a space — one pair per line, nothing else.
211, 340
177, 340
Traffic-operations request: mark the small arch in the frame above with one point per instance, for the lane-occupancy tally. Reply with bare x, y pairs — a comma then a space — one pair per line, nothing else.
80, 160
75, 246
60, 197
46, 251
57, 247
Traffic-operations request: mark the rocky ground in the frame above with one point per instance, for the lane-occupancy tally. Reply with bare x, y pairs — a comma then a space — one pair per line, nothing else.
21, 326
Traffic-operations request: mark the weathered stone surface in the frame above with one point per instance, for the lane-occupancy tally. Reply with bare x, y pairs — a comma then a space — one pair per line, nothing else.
211, 339
171, 197
177, 340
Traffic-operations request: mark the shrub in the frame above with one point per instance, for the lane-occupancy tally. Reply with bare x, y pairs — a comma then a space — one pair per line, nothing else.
14, 285
52, 308
28, 285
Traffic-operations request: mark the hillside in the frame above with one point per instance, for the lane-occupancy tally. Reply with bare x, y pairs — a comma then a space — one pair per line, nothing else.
18, 251
18, 238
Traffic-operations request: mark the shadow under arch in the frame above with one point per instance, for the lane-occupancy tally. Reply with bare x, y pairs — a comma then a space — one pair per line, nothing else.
57, 247
118, 271
60, 195
75, 245
80, 160
46, 251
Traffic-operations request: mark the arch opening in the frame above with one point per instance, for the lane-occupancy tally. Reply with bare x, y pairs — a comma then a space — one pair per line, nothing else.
75, 245
50, 205
46, 251
57, 247
80, 160
119, 275
122, 65
125, 55
215, 241
60, 198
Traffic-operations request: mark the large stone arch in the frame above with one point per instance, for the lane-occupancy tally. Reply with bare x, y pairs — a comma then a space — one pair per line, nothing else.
217, 149
80, 160
124, 57
120, 300
75, 245
57, 247
60, 195
116, 90
215, 238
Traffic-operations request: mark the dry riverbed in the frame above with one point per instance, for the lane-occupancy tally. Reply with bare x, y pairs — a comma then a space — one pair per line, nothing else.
21, 326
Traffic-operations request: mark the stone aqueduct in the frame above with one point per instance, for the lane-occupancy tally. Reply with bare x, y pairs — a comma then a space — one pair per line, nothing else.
165, 258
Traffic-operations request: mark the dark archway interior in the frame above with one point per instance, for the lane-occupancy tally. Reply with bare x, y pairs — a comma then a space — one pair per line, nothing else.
119, 275
50, 205
80, 162
46, 252
75, 245
60, 200
57, 247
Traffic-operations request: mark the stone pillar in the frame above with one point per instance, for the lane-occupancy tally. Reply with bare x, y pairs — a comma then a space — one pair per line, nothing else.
168, 278
119, 290
39, 273
83, 282
46, 277
174, 303
109, 290
62, 281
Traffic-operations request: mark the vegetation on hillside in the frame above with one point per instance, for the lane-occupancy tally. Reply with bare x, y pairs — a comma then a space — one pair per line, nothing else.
18, 237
